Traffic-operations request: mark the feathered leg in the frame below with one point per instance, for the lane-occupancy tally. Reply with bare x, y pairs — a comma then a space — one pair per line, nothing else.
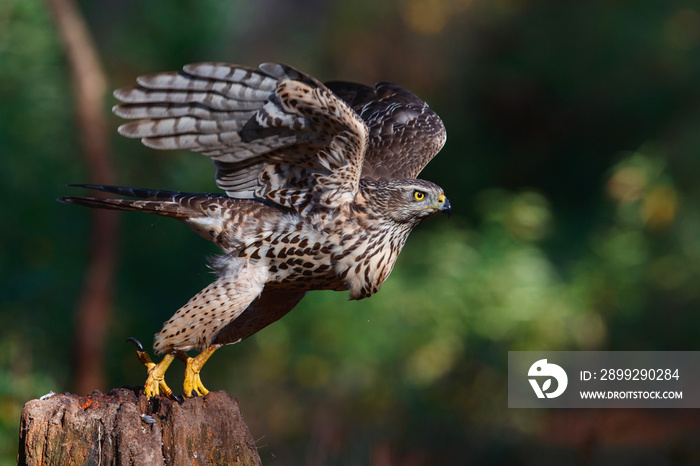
267, 308
196, 324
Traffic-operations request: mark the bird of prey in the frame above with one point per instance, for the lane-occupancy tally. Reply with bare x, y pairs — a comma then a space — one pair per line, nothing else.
320, 192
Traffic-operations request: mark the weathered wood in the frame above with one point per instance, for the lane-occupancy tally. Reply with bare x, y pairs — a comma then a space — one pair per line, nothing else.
121, 427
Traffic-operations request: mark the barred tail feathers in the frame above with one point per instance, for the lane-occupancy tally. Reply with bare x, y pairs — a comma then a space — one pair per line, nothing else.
166, 203
202, 212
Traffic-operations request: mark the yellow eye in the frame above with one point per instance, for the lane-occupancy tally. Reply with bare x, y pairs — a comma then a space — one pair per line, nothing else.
418, 195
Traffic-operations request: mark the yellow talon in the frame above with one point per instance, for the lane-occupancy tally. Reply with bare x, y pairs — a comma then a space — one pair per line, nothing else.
155, 383
193, 382
193, 385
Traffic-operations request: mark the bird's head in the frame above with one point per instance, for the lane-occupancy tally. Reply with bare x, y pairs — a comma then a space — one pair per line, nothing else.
409, 200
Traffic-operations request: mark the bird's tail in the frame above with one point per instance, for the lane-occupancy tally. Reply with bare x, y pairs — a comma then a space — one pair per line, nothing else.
167, 203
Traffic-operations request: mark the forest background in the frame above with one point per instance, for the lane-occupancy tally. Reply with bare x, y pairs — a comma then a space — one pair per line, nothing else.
571, 164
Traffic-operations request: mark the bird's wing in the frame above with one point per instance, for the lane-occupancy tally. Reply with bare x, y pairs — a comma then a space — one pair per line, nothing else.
404, 133
273, 133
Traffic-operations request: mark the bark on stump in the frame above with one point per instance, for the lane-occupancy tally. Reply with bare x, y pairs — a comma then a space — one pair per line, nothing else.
121, 427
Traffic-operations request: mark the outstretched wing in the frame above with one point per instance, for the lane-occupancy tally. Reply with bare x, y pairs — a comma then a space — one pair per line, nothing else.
404, 133
273, 133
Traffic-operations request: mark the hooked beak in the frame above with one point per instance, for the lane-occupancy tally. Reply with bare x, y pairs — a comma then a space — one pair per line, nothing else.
444, 205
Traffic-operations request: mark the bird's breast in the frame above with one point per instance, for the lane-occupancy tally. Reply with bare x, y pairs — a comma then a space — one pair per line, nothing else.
333, 254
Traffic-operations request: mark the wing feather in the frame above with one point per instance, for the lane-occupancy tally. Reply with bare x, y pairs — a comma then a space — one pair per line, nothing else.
273, 132
404, 132
279, 134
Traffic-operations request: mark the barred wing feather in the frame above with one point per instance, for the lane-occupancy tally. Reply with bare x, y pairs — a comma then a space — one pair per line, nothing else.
273, 133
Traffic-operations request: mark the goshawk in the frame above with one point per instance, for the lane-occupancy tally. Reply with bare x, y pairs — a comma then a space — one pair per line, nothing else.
320, 192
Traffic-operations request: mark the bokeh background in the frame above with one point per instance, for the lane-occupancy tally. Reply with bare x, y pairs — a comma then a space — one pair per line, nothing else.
571, 163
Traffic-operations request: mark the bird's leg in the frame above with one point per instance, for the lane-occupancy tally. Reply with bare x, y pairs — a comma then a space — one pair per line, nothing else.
193, 383
155, 383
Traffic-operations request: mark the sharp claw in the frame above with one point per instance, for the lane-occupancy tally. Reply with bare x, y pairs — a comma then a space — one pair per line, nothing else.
138, 344
194, 393
155, 383
178, 398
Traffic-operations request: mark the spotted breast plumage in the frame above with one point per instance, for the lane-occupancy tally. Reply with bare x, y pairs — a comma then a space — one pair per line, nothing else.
320, 192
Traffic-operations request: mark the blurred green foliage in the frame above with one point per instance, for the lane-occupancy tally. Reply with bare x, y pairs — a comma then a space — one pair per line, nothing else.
571, 164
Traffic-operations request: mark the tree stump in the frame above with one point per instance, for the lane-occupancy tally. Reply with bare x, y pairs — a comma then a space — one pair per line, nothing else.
124, 427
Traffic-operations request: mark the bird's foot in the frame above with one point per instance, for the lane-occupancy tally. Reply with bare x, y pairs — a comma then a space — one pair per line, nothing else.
155, 383
193, 385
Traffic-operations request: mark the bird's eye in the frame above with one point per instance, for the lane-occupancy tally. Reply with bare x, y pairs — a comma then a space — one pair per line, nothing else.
418, 195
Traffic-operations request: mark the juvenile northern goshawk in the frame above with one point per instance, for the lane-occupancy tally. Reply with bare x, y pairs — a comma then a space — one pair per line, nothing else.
320, 192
